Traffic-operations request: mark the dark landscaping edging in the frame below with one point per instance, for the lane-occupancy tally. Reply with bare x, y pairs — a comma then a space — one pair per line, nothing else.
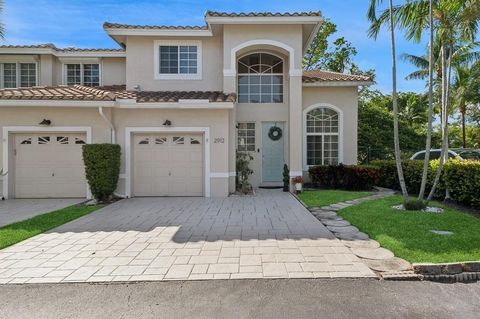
449, 272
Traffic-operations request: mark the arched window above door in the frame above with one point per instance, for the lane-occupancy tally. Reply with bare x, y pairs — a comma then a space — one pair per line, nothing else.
260, 78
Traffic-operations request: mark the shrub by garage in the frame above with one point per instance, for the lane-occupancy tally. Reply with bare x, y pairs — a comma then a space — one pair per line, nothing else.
348, 177
102, 169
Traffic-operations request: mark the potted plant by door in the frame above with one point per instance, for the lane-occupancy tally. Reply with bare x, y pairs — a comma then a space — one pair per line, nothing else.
297, 181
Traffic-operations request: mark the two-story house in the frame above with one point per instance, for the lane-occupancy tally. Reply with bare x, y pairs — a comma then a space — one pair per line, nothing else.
180, 100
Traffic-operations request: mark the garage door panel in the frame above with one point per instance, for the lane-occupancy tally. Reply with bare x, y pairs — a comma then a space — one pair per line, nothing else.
49, 165
168, 165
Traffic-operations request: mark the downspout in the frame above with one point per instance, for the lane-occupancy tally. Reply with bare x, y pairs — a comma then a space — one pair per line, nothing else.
105, 118
112, 138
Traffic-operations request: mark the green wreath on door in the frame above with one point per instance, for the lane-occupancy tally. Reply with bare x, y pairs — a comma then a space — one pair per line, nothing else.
275, 133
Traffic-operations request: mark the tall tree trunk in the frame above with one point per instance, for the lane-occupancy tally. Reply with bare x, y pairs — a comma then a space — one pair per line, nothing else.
464, 133
398, 158
446, 67
428, 144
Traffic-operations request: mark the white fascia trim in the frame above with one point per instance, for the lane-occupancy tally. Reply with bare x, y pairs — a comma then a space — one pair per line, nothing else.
312, 36
338, 83
94, 54
169, 106
263, 20
26, 51
129, 131
160, 33
38, 129
54, 103
340, 131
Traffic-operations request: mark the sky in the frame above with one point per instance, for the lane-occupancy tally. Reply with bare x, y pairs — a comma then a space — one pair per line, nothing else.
78, 23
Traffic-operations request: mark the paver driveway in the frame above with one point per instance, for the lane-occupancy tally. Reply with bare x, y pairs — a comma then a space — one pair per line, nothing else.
270, 235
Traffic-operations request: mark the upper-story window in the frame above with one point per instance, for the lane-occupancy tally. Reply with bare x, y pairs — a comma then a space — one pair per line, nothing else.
178, 60
87, 74
15, 75
260, 79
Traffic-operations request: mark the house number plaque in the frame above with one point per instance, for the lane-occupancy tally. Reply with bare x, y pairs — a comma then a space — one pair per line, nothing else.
219, 140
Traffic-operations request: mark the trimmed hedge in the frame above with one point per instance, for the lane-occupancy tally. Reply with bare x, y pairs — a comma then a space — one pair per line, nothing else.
412, 171
102, 168
463, 181
351, 177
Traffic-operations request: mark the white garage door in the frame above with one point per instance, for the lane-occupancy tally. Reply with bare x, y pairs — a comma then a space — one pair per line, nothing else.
168, 165
49, 165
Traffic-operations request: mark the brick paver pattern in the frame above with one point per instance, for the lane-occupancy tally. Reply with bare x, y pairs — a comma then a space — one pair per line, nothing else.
270, 235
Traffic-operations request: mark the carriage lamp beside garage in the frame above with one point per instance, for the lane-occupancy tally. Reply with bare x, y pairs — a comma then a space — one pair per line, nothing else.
297, 181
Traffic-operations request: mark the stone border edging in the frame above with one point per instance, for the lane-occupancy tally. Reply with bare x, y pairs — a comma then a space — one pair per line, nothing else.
449, 272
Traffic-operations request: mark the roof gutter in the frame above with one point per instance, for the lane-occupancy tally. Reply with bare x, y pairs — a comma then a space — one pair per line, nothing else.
337, 83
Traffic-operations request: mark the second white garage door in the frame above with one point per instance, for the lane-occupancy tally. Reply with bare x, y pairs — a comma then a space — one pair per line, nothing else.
168, 165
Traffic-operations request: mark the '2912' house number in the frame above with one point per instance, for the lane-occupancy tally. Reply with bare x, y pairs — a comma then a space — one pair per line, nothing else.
219, 140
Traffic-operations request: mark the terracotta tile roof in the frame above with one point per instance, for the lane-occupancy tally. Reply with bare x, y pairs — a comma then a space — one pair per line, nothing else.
312, 76
109, 25
54, 48
262, 14
76, 93
30, 46
110, 93
169, 96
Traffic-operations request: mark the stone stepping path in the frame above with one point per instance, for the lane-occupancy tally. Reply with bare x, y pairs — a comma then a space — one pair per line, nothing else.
378, 259
370, 243
388, 265
375, 253
343, 229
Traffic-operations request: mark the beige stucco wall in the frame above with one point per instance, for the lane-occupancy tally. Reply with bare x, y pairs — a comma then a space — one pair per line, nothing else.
59, 116
346, 99
140, 65
215, 120
113, 71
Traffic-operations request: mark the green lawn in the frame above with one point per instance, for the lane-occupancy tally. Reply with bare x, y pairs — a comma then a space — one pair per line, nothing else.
408, 236
319, 198
16, 232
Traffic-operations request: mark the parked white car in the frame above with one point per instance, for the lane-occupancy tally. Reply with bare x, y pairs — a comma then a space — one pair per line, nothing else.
461, 153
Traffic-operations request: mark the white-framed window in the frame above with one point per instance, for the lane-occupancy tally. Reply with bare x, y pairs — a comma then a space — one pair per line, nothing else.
260, 78
178, 60
322, 136
15, 74
246, 137
87, 74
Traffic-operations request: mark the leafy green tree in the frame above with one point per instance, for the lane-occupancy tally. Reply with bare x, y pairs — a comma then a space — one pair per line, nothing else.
336, 56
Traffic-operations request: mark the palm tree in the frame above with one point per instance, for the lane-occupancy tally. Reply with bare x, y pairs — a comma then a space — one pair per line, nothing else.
398, 157
2, 27
466, 76
456, 23
428, 143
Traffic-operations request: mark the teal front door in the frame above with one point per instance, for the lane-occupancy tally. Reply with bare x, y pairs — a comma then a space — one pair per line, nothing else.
272, 151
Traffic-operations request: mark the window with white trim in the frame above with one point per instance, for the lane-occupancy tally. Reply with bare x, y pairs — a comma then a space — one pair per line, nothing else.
246, 137
260, 79
322, 136
87, 74
177, 59
15, 75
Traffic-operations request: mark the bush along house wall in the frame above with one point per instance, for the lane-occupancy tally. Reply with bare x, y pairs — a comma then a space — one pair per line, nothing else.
102, 169
352, 177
